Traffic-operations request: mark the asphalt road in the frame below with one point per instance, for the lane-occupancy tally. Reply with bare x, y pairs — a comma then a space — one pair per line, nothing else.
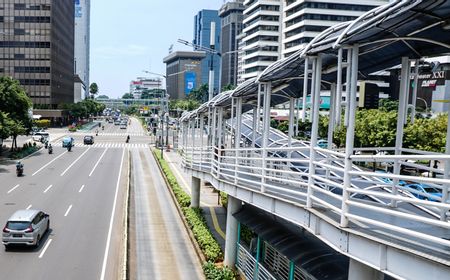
84, 192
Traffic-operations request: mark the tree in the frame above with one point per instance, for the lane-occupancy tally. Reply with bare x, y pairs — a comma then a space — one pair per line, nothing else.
228, 87
127, 96
200, 94
103, 97
93, 89
15, 103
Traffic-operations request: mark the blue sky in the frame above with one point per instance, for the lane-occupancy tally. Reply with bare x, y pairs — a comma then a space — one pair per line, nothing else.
128, 37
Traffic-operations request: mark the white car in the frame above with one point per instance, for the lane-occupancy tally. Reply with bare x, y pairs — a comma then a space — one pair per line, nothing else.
25, 227
38, 136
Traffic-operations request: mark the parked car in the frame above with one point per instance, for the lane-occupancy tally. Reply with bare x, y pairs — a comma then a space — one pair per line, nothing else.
88, 140
322, 143
25, 227
67, 141
123, 126
434, 194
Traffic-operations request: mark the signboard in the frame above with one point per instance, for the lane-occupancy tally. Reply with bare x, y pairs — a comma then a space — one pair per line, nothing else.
78, 10
324, 102
189, 82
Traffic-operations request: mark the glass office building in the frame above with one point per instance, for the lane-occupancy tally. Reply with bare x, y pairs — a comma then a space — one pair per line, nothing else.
37, 48
202, 33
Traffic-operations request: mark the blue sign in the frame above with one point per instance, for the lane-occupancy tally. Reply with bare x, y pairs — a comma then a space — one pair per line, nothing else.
189, 82
78, 12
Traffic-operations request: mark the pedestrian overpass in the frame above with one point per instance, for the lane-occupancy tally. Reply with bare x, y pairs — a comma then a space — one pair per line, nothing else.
370, 218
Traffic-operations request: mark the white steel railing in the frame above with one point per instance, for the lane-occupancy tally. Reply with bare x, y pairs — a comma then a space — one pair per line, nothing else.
370, 195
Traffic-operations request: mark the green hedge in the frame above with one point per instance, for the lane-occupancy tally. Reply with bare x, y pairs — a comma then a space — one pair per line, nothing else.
26, 150
202, 234
194, 216
212, 272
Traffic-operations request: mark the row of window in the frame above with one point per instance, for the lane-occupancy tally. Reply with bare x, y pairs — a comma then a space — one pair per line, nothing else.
329, 6
262, 58
31, 69
22, 31
32, 19
263, 28
266, 49
297, 42
319, 17
34, 82
262, 38
41, 7
22, 56
313, 28
263, 17
274, 8
17, 44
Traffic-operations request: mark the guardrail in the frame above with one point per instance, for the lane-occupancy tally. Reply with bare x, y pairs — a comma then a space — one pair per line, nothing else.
282, 172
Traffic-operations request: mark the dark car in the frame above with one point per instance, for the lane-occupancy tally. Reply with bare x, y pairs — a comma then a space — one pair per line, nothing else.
88, 140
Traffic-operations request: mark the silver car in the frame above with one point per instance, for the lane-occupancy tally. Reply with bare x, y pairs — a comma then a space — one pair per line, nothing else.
25, 227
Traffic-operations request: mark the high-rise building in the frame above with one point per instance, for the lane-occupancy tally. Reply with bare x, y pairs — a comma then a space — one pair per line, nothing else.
183, 73
304, 19
202, 33
141, 85
262, 29
82, 39
37, 48
231, 15
240, 58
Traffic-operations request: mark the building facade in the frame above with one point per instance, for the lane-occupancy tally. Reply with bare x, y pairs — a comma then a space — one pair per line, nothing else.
37, 48
305, 19
82, 41
202, 33
262, 41
141, 85
231, 15
183, 73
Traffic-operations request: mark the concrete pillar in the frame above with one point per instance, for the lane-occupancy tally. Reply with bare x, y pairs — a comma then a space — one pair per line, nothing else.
358, 271
195, 190
231, 233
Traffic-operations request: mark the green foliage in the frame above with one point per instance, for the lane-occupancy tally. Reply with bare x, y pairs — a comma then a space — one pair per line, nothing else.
223, 199
93, 89
212, 272
132, 110
103, 97
27, 149
199, 94
194, 216
85, 108
246, 234
283, 126
388, 105
427, 134
228, 87
14, 104
184, 104
202, 234
6, 125
127, 96
42, 123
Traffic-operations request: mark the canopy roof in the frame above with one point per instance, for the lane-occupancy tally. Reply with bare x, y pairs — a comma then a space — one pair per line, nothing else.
412, 28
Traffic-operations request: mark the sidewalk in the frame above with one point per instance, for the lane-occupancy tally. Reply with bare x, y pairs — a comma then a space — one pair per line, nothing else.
215, 214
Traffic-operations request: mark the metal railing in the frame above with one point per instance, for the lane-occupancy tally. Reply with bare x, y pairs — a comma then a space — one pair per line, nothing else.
371, 193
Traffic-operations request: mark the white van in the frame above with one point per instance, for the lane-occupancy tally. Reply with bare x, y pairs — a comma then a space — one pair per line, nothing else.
38, 136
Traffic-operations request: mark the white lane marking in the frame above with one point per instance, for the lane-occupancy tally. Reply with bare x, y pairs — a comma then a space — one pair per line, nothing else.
48, 188
95, 166
68, 210
11, 190
108, 241
45, 248
81, 189
62, 174
29, 207
40, 169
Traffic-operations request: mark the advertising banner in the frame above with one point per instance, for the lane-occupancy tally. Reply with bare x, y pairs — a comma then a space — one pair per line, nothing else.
189, 80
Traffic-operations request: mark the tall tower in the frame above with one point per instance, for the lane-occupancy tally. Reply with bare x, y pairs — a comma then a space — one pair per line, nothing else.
38, 50
231, 15
82, 38
202, 33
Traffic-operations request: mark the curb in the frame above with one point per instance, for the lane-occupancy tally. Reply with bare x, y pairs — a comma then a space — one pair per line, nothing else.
198, 251
125, 256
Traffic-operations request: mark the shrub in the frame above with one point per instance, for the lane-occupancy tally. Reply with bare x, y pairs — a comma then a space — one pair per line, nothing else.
212, 272
202, 234
223, 199
42, 123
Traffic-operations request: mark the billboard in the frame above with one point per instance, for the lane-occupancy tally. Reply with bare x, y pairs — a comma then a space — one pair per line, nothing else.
189, 82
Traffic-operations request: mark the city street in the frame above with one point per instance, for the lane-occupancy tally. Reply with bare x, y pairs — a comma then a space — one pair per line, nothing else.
84, 193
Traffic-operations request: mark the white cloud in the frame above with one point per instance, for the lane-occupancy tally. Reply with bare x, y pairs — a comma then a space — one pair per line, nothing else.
119, 51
